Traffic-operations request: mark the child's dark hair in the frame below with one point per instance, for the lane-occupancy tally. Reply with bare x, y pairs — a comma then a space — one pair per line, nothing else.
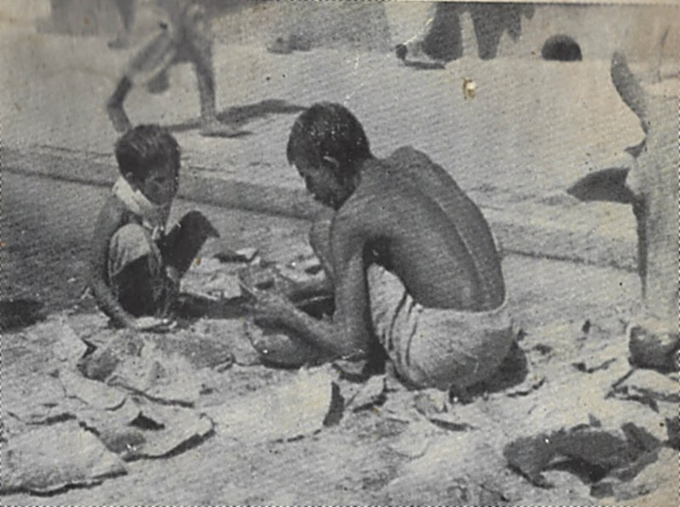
146, 146
329, 130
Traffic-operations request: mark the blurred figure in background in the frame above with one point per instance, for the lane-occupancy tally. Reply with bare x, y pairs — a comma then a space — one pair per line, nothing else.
186, 37
126, 11
441, 38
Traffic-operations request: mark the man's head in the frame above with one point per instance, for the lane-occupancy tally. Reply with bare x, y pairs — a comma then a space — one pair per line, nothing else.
149, 159
327, 145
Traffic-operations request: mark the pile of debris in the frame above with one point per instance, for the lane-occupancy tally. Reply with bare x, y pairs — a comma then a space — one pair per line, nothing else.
81, 400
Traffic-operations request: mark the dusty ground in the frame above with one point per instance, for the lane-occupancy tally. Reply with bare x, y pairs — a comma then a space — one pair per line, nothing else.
571, 315
387, 453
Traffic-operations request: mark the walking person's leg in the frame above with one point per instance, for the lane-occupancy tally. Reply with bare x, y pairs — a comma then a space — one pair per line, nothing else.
201, 59
126, 10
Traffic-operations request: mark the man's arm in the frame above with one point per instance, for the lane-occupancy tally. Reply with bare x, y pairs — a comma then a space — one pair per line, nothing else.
350, 232
348, 335
320, 241
107, 223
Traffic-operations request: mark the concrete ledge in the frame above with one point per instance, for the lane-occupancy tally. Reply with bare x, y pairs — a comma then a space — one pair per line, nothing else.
599, 234
195, 185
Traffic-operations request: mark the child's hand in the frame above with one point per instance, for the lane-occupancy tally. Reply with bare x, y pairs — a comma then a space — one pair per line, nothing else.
154, 324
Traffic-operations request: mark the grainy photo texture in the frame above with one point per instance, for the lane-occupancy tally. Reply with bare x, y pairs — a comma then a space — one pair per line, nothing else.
260, 252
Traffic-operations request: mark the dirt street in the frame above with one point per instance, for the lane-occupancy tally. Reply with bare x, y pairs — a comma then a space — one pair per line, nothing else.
569, 314
194, 416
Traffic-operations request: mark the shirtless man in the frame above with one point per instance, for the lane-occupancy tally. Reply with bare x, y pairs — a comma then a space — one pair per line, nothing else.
185, 38
414, 267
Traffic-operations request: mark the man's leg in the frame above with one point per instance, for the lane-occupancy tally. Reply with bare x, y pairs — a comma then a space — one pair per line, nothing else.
153, 59
436, 347
489, 23
126, 10
114, 106
201, 59
444, 40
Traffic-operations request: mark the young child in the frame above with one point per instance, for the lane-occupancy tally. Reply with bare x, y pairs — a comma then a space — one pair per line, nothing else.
415, 270
185, 38
136, 267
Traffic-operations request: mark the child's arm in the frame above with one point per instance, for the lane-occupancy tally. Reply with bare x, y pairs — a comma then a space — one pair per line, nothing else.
108, 222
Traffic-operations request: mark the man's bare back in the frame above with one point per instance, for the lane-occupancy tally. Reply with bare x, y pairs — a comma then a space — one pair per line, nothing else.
425, 229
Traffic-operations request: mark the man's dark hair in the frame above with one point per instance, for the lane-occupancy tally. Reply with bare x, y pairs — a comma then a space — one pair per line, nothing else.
329, 130
145, 146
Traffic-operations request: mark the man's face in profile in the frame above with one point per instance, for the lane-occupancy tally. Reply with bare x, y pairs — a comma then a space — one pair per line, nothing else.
322, 183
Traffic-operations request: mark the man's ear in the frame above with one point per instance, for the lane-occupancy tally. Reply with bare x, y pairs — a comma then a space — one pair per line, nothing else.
333, 162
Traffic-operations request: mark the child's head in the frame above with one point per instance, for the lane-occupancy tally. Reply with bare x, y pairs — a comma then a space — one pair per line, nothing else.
149, 159
328, 137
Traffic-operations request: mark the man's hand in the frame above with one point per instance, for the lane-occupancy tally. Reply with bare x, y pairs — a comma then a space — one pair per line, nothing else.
154, 324
270, 305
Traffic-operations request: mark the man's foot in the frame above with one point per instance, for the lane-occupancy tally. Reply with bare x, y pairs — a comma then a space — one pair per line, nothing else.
120, 42
216, 129
118, 117
424, 62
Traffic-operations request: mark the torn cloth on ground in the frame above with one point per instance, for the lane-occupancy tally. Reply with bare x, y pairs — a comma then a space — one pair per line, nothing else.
165, 430
281, 412
158, 377
592, 452
137, 364
53, 457
31, 398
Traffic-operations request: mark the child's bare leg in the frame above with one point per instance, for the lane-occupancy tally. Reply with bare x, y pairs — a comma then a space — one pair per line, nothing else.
136, 273
181, 246
114, 106
142, 292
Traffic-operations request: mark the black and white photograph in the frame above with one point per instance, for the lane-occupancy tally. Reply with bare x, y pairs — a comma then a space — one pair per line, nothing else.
339, 252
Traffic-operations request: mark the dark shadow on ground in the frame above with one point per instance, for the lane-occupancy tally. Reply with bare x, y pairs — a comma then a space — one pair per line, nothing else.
192, 307
424, 65
513, 371
239, 115
18, 313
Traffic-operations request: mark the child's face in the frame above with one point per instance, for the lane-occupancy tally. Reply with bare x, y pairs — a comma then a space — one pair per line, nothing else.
160, 184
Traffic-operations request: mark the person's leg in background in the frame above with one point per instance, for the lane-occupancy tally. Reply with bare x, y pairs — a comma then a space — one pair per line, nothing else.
126, 11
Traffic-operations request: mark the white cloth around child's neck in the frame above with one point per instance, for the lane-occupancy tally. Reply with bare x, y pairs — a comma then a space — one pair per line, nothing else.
154, 216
